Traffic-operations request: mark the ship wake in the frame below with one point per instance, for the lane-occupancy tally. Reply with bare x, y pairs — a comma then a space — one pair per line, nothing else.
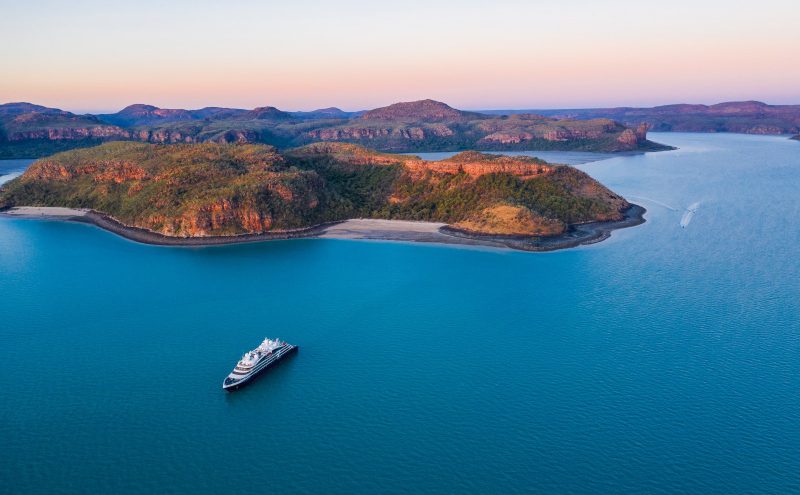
689, 214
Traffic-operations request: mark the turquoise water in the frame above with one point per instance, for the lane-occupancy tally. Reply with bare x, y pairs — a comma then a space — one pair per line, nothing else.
664, 360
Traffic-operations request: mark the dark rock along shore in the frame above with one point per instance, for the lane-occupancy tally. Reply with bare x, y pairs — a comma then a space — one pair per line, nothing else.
580, 234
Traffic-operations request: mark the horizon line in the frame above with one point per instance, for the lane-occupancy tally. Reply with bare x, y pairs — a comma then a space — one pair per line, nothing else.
470, 109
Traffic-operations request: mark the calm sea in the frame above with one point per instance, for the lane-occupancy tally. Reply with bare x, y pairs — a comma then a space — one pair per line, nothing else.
664, 360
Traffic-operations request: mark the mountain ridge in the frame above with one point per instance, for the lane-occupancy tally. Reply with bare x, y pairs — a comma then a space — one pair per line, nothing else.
28, 130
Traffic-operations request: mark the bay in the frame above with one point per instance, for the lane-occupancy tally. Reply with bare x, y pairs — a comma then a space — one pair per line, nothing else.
663, 360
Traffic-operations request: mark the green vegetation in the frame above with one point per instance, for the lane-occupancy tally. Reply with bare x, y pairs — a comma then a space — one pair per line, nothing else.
219, 189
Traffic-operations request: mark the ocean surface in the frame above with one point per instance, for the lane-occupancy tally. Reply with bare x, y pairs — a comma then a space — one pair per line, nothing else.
663, 360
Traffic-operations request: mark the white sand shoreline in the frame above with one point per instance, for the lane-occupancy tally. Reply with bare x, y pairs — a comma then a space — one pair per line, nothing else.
45, 212
357, 228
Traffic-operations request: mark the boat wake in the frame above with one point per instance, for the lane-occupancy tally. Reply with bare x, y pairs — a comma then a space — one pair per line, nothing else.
688, 214
659, 203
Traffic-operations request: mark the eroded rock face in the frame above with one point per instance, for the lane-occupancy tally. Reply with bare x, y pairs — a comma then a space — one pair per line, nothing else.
628, 138
98, 132
508, 137
369, 133
211, 218
477, 164
641, 131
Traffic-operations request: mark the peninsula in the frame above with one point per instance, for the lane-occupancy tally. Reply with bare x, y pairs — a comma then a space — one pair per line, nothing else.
745, 117
213, 193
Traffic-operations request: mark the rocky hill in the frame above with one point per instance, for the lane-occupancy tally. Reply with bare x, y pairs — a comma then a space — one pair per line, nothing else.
420, 111
433, 126
326, 113
195, 190
750, 117
28, 130
31, 131
139, 114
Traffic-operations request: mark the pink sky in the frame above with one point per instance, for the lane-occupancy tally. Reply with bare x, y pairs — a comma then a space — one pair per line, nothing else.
86, 56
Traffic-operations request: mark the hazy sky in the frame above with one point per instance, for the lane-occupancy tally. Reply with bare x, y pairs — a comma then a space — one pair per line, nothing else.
303, 54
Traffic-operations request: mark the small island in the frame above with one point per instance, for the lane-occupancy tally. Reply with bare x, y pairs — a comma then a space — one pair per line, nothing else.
209, 193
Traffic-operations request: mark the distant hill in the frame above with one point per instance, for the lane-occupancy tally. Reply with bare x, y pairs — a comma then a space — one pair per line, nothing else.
326, 113
266, 113
217, 113
14, 109
139, 114
420, 111
749, 117
209, 189
28, 130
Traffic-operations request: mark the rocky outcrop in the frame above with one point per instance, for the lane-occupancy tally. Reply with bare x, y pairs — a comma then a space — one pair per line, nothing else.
509, 137
641, 132
628, 138
162, 136
353, 133
631, 139
207, 219
69, 133
477, 164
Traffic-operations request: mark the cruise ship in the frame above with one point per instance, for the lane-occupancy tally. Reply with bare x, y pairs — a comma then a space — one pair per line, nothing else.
256, 361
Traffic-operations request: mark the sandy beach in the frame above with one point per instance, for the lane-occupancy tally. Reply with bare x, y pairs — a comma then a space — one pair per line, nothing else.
46, 212
360, 228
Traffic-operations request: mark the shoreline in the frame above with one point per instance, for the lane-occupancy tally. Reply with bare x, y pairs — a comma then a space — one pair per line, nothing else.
356, 229
576, 235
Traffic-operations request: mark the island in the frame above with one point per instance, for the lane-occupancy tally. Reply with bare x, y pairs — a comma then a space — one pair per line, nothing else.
34, 131
210, 193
